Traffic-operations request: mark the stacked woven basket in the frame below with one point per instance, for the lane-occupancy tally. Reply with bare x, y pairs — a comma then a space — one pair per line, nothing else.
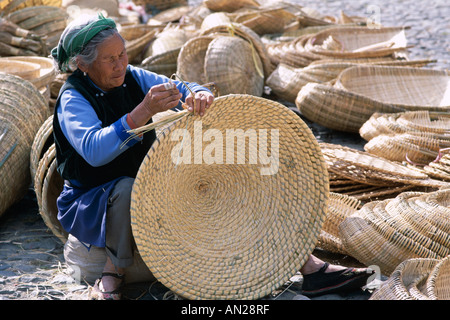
23, 110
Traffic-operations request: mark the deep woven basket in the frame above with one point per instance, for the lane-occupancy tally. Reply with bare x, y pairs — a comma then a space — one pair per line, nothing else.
225, 231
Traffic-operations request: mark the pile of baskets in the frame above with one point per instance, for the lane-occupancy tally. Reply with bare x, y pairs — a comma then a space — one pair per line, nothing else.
23, 110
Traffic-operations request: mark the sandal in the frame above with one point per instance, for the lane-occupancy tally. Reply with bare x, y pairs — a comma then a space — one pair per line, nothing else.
97, 292
320, 282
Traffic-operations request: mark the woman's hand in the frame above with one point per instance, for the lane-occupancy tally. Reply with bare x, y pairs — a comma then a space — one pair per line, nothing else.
203, 100
161, 97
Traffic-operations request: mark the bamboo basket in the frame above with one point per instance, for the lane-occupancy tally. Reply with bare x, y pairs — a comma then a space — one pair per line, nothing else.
438, 282
14, 181
229, 6
167, 40
218, 226
164, 63
47, 71
215, 19
236, 29
419, 148
357, 42
411, 225
231, 63
137, 38
25, 70
370, 169
41, 143
408, 88
191, 59
8, 6
160, 5
402, 283
363, 90
339, 207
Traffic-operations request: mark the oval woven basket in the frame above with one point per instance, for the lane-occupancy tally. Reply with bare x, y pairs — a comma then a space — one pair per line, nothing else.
338, 109
402, 283
357, 42
25, 70
191, 59
232, 64
213, 229
339, 207
41, 143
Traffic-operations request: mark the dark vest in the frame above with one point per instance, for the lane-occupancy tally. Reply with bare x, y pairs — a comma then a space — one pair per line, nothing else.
110, 107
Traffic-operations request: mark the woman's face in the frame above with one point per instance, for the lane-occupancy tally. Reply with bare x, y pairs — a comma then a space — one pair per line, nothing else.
108, 70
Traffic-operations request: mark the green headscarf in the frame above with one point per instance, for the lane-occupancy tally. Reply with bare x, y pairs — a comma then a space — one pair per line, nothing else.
75, 37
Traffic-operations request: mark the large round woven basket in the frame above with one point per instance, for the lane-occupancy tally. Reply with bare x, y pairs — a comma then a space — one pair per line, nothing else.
215, 222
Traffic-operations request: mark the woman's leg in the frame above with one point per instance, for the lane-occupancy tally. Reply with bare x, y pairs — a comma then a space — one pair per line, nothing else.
120, 244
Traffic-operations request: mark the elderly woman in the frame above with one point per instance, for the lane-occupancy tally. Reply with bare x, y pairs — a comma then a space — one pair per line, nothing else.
98, 104
103, 99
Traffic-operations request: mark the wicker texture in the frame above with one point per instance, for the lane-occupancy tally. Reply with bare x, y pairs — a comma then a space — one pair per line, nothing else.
191, 60
22, 111
363, 90
237, 29
411, 225
339, 207
236, 72
405, 280
229, 6
357, 42
224, 231
438, 282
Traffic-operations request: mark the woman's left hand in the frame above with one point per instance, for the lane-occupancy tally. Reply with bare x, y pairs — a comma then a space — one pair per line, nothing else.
203, 100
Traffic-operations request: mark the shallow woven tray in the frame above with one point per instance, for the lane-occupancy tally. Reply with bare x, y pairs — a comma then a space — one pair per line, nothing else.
339, 207
404, 87
363, 90
402, 283
224, 231
47, 71
367, 168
